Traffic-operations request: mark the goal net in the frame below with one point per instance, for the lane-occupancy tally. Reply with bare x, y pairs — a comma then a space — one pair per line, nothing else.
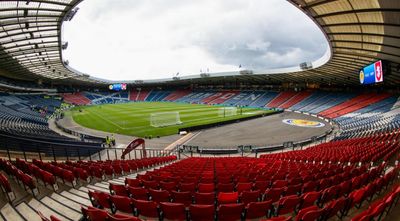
227, 111
163, 119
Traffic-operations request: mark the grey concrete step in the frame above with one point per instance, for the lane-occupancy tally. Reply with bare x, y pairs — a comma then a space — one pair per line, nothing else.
10, 214
27, 212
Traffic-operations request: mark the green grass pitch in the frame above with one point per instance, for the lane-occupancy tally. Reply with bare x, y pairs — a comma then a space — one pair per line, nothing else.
134, 118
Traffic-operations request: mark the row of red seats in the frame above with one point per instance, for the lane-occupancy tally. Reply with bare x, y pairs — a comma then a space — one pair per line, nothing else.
230, 210
379, 208
6, 188
370, 149
26, 180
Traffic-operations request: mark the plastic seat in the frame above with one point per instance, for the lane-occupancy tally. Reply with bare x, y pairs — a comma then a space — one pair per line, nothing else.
138, 193
182, 197
309, 199
150, 184
309, 186
279, 218
230, 212
287, 204
261, 185
225, 187
249, 196
204, 198
168, 186
293, 189
121, 203
147, 209
132, 182
227, 198
53, 218
187, 187
118, 189
159, 195
94, 214
311, 213
100, 199
336, 207
206, 188
258, 210
240, 187
120, 217
273, 194
201, 212
279, 184
173, 211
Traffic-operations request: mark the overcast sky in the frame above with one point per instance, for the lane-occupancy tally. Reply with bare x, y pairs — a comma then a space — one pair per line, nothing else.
150, 39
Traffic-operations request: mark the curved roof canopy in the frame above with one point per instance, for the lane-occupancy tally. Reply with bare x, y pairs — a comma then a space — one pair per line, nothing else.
359, 32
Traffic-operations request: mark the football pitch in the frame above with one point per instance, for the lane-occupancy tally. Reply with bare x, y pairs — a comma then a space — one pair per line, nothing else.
134, 118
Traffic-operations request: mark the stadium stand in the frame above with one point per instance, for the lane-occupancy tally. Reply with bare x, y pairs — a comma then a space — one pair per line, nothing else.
281, 98
76, 98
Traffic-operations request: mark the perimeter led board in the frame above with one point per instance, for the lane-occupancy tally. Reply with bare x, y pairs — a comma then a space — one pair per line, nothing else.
117, 87
372, 73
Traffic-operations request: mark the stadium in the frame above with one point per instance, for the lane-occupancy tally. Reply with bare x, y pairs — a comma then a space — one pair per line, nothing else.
315, 141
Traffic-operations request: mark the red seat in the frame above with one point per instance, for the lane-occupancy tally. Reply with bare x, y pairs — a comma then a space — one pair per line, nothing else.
240, 187
279, 184
279, 218
53, 218
201, 212
230, 212
227, 198
273, 194
287, 204
311, 213
206, 188
99, 199
258, 210
293, 189
6, 187
146, 209
121, 203
336, 207
309, 199
150, 184
182, 197
249, 196
132, 182
173, 211
309, 186
187, 187
118, 189
159, 195
168, 185
225, 187
120, 217
204, 198
94, 214
261, 185
138, 193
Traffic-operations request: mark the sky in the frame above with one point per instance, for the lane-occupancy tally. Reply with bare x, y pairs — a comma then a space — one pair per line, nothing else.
143, 39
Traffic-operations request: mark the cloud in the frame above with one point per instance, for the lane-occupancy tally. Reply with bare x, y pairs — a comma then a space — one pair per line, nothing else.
141, 39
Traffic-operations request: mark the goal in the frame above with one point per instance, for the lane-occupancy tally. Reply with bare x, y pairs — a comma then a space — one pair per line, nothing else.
163, 119
227, 111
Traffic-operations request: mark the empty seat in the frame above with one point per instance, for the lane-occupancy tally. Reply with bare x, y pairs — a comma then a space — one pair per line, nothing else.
240, 187
118, 189
99, 199
159, 195
182, 197
121, 203
311, 213
138, 193
201, 212
249, 196
206, 188
287, 204
227, 198
258, 210
204, 198
146, 209
230, 212
173, 211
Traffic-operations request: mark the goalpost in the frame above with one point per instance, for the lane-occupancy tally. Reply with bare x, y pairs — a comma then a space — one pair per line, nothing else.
227, 111
163, 119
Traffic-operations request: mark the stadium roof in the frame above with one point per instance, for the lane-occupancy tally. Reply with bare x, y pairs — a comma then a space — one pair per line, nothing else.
359, 32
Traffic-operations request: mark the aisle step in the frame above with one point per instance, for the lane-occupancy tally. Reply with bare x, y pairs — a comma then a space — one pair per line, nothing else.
9, 213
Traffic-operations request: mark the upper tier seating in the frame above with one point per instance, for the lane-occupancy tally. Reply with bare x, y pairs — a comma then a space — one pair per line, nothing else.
76, 98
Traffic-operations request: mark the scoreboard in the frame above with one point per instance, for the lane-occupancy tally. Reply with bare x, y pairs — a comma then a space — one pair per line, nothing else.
117, 87
372, 73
